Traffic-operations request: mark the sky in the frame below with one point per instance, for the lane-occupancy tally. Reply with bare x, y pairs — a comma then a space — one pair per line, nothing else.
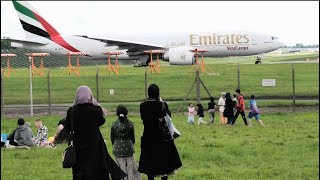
291, 21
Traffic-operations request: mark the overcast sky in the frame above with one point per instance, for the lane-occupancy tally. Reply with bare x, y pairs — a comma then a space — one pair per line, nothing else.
292, 22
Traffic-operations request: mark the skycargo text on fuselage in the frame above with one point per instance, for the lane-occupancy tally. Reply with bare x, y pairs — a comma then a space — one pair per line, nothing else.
196, 39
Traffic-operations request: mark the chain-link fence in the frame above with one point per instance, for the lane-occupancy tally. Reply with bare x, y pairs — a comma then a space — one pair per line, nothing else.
174, 82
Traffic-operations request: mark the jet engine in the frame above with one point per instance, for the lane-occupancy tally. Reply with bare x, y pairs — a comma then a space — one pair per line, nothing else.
180, 56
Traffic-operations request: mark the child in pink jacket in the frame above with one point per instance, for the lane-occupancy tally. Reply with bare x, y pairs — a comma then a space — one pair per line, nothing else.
191, 114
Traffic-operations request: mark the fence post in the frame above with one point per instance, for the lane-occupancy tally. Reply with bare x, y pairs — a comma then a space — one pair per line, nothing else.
146, 84
97, 83
198, 85
49, 92
238, 76
2, 100
31, 98
293, 89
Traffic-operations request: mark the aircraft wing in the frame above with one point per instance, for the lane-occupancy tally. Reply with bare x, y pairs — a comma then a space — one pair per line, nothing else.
131, 46
22, 41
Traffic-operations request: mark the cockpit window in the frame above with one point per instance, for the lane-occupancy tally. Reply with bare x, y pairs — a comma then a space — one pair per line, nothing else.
274, 38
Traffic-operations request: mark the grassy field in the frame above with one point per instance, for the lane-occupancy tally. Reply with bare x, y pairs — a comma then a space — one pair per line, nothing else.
174, 82
286, 148
269, 57
174, 105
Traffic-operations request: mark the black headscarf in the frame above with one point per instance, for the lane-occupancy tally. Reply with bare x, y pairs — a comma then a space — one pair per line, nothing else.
228, 96
153, 92
122, 113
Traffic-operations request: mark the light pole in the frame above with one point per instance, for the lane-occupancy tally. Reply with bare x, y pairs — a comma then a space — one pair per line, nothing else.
30, 75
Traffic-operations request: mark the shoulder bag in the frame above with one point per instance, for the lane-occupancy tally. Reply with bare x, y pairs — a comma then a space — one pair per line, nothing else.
69, 154
168, 130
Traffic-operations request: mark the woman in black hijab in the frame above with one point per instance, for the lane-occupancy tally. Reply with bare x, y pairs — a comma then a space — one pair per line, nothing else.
158, 157
228, 111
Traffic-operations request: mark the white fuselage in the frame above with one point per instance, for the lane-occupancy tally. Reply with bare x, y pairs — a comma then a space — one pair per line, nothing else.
217, 44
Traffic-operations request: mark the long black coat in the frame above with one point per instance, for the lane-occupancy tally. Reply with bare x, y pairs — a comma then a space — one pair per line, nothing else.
158, 157
228, 111
92, 158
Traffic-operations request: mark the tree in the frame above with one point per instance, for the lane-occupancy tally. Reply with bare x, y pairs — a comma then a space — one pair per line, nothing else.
5, 44
299, 45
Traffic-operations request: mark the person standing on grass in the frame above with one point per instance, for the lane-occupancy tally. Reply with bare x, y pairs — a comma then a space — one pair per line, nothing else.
191, 113
200, 113
254, 111
228, 111
123, 139
211, 109
240, 108
222, 104
159, 158
236, 102
92, 158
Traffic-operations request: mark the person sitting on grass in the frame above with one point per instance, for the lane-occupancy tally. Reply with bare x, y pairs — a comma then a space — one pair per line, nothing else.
61, 133
22, 135
254, 111
200, 113
42, 133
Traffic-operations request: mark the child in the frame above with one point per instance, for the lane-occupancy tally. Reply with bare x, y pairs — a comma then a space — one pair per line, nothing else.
42, 133
254, 111
200, 114
235, 101
191, 113
22, 135
211, 109
123, 139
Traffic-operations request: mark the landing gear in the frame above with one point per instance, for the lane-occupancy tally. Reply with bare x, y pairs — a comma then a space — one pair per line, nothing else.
258, 57
258, 60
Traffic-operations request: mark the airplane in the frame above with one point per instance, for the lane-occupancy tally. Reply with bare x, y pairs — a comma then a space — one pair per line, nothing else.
178, 48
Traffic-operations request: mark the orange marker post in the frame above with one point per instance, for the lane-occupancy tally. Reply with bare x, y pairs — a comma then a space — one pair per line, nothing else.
152, 66
34, 69
201, 65
69, 67
9, 68
42, 67
110, 67
118, 67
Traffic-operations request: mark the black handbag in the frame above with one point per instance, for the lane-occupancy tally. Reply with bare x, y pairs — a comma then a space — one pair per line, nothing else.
69, 154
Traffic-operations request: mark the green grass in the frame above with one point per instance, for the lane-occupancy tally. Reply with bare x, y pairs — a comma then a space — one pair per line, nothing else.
286, 148
174, 82
174, 105
265, 58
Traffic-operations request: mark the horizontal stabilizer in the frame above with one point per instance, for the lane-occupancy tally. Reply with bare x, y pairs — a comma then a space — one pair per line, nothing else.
26, 42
